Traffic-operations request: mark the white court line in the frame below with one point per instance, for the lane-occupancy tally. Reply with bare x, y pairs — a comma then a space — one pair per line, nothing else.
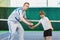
33, 20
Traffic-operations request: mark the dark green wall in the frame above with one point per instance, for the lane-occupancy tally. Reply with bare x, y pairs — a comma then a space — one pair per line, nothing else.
32, 14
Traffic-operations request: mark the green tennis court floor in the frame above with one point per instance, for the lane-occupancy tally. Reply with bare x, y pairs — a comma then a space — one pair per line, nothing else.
30, 35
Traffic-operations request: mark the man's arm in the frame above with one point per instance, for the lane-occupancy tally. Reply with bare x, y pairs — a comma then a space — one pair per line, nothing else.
23, 19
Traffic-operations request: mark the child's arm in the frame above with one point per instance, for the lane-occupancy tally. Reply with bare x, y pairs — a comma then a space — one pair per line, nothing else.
36, 24
50, 24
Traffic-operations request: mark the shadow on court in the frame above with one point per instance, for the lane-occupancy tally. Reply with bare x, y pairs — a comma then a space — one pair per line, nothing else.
32, 35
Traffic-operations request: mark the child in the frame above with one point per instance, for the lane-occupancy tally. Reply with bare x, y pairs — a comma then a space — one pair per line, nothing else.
46, 25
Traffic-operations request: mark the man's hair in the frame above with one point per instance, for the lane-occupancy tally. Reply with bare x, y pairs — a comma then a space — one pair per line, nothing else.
42, 13
26, 3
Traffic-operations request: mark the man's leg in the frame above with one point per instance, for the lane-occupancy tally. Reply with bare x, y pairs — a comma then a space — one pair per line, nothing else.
12, 30
11, 36
20, 32
44, 38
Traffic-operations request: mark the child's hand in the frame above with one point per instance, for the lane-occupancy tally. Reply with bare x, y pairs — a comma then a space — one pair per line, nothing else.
32, 27
52, 28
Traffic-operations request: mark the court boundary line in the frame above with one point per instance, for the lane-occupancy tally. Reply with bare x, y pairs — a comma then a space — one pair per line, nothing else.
32, 20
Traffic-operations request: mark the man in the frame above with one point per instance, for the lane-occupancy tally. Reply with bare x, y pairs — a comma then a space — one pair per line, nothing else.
17, 15
46, 25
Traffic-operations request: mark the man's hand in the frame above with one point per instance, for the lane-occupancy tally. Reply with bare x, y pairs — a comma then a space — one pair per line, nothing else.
31, 26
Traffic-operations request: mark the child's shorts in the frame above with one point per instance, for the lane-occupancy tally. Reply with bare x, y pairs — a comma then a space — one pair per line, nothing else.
48, 32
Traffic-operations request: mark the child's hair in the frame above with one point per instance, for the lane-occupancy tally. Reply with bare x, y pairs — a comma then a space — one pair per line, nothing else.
42, 13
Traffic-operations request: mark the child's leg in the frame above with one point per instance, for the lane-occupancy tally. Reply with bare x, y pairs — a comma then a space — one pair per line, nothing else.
44, 38
48, 34
49, 37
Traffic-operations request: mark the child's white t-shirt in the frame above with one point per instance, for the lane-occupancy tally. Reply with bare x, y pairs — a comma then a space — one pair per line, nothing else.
44, 21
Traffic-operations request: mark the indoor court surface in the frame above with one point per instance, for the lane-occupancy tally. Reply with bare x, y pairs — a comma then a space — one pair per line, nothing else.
12, 11
32, 35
